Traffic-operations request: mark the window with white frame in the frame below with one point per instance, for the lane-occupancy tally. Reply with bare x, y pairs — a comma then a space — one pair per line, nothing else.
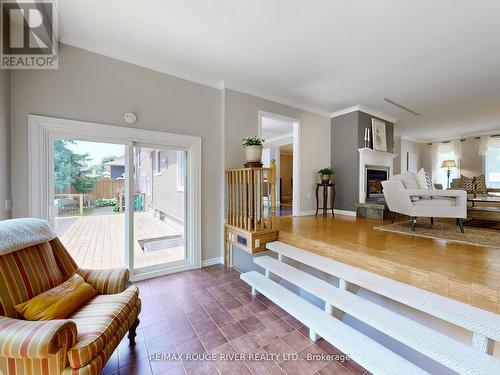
157, 162
181, 170
492, 167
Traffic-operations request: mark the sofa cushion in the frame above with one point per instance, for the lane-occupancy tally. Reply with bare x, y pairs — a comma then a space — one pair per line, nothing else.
58, 302
26, 273
409, 182
97, 323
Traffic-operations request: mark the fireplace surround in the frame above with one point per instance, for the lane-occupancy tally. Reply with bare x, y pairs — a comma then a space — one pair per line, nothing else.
381, 165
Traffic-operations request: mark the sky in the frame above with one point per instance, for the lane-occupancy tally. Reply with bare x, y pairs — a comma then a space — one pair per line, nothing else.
96, 150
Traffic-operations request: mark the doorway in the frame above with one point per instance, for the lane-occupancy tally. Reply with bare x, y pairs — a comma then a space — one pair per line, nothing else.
282, 144
119, 197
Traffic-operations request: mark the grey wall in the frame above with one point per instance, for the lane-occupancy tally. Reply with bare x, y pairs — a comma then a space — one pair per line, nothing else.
346, 137
95, 88
365, 121
345, 160
4, 142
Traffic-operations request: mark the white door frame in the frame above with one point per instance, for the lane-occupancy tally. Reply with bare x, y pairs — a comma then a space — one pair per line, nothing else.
42, 132
296, 154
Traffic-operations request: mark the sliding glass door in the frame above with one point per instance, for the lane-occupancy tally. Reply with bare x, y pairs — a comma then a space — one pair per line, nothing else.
86, 201
116, 201
159, 203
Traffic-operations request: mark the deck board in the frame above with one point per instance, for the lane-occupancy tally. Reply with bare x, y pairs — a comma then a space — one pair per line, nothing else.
99, 241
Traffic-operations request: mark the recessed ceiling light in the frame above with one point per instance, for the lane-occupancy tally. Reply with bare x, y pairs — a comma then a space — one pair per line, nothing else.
401, 106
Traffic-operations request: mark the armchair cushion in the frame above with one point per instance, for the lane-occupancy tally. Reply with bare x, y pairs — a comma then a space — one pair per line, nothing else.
108, 281
24, 339
58, 302
98, 321
26, 273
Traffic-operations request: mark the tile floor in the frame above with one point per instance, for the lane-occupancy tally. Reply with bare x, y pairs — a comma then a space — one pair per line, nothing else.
212, 311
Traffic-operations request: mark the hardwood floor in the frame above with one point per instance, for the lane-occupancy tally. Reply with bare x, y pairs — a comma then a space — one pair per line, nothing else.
469, 274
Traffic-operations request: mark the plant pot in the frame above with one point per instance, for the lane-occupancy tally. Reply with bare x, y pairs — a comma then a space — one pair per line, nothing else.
325, 178
253, 153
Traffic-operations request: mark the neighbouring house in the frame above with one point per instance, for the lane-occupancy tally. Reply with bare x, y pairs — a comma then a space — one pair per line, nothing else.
160, 176
114, 169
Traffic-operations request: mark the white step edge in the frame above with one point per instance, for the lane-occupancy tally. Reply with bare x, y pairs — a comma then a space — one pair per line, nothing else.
451, 353
469, 317
369, 354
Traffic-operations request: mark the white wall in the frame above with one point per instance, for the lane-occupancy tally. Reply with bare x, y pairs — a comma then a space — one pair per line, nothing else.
471, 164
402, 147
241, 120
95, 88
4, 142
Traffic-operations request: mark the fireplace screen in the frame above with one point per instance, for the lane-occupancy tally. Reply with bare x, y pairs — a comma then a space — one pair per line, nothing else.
374, 178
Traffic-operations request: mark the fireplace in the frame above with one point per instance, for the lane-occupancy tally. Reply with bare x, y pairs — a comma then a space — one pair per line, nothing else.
374, 176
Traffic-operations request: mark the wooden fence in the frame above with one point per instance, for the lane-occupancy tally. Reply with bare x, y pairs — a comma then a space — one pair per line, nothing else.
107, 188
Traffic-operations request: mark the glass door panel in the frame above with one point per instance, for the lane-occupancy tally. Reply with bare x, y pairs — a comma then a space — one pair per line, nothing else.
159, 208
87, 200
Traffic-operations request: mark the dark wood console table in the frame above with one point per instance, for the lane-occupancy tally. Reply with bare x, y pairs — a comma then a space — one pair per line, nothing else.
325, 208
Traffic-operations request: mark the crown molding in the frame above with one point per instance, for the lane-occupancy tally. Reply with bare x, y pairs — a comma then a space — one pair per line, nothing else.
276, 99
364, 109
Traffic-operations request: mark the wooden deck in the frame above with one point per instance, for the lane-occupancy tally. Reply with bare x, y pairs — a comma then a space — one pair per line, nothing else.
99, 241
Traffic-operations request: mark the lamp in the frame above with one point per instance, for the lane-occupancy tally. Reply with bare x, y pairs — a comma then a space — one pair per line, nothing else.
448, 164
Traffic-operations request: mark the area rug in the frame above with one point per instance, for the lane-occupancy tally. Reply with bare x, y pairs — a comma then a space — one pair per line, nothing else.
448, 231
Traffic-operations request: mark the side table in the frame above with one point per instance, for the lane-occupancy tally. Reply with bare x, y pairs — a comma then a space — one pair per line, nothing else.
326, 189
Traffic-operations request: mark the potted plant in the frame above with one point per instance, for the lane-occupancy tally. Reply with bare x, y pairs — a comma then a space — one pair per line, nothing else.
253, 148
326, 174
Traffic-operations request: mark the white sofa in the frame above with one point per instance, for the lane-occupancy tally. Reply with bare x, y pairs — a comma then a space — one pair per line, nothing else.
407, 197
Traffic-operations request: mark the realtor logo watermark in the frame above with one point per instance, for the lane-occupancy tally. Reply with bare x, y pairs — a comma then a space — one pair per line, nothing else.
29, 34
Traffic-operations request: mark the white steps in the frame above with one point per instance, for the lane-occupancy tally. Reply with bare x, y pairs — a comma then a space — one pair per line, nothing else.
369, 354
457, 356
481, 322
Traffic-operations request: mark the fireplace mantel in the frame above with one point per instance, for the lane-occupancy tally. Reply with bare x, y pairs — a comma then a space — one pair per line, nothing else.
367, 156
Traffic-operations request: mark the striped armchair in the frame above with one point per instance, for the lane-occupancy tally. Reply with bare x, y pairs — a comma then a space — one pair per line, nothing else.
33, 260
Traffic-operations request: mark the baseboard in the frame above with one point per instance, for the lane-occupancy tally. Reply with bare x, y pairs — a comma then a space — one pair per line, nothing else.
345, 212
337, 212
307, 213
211, 262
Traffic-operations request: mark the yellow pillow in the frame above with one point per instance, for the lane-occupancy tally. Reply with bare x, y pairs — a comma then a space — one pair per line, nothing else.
58, 302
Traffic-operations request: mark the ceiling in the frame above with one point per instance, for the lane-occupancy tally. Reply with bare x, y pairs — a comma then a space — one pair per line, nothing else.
272, 128
440, 58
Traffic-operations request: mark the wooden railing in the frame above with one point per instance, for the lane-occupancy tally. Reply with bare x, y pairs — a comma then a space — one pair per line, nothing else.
251, 198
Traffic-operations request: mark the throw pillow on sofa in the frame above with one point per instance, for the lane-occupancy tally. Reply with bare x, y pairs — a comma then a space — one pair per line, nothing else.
481, 184
467, 183
58, 302
424, 181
